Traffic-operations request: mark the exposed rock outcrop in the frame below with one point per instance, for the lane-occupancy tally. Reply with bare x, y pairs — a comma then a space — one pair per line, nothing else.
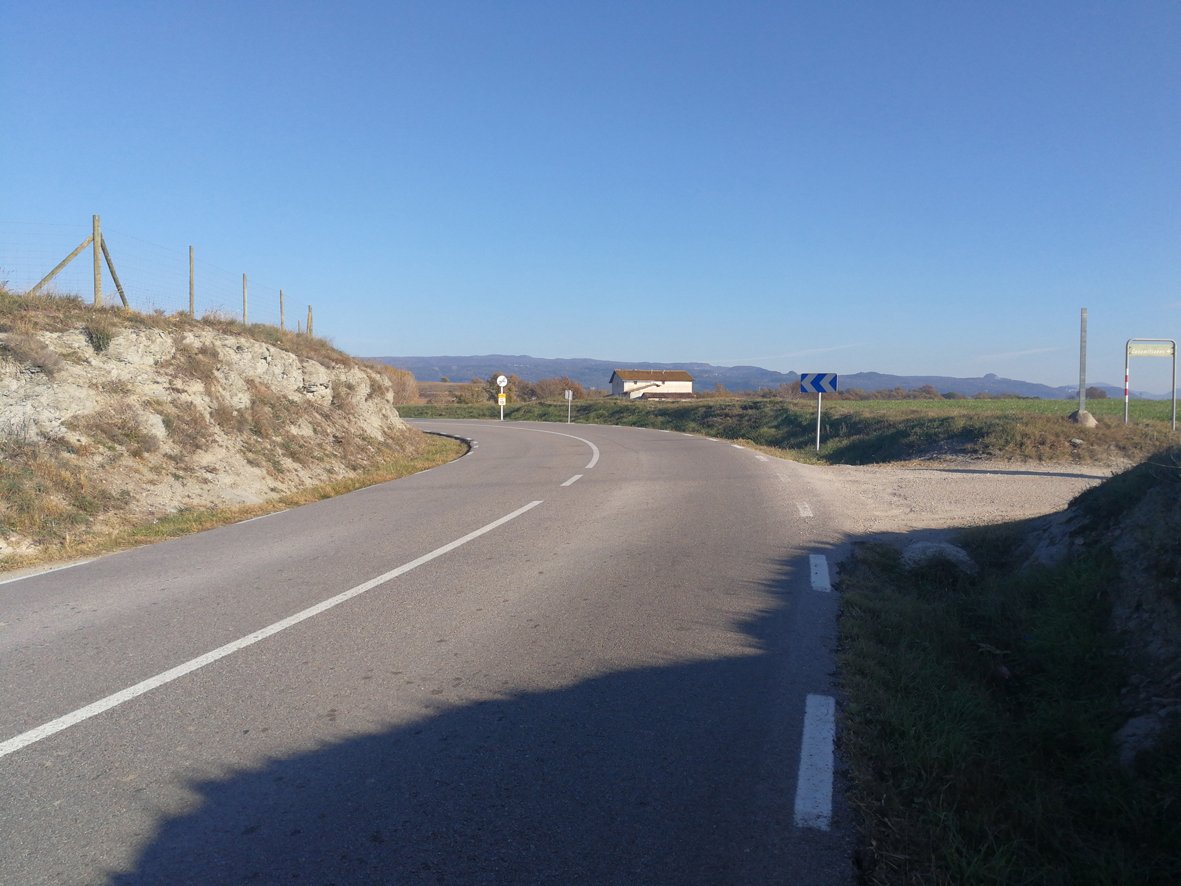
174, 414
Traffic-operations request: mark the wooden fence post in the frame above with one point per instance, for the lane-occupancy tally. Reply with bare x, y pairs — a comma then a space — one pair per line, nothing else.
114, 274
65, 261
309, 320
96, 241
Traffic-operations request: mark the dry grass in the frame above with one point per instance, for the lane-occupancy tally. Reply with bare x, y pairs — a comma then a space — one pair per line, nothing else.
188, 429
118, 428
27, 349
45, 498
66, 530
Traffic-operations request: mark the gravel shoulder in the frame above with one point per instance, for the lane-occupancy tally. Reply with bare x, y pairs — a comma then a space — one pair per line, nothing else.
946, 494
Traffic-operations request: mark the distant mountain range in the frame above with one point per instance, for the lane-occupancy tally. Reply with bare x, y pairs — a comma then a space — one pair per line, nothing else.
597, 374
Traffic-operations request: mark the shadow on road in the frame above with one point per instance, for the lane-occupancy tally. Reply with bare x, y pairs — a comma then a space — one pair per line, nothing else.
1015, 473
615, 780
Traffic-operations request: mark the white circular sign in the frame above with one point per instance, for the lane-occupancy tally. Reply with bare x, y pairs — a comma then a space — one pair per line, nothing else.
501, 380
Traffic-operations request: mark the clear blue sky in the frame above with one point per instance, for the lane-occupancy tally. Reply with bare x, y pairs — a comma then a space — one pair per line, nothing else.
914, 188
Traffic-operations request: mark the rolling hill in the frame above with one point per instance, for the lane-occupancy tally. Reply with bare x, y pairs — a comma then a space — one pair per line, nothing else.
597, 374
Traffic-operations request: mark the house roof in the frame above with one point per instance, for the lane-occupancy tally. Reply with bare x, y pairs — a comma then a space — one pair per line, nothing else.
651, 375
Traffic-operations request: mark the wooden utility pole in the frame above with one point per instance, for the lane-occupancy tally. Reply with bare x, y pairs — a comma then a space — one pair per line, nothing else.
96, 239
309, 319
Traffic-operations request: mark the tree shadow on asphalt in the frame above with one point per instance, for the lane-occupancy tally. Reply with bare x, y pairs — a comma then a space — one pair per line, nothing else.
610, 781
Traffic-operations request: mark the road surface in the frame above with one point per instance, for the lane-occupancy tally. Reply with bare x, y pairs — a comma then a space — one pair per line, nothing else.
579, 654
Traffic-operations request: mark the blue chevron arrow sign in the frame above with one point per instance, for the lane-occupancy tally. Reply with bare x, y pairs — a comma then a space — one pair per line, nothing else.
818, 383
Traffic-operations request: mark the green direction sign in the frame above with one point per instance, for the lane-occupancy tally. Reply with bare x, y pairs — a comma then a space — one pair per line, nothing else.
1151, 349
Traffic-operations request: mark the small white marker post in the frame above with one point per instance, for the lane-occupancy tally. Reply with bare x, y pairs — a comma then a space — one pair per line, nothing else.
819, 406
569, 404
500, 398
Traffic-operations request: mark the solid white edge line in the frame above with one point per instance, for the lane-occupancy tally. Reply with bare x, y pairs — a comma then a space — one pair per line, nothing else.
594, 449
813, 808
804, 508
820, 578
105, 704
260, 517
8, 581
573, 480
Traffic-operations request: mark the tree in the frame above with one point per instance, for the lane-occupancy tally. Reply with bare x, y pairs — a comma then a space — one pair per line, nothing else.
1096, 394
512, 390
555, 388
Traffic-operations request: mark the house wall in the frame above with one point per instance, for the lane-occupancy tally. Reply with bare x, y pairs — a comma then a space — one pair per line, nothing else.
635, 389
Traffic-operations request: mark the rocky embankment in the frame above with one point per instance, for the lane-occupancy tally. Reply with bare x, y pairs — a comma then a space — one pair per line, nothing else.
114, 420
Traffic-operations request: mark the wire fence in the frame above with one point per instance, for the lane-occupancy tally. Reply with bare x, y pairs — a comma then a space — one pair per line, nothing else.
153, 277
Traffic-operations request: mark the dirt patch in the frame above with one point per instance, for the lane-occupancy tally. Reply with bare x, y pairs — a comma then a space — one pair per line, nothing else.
953, 493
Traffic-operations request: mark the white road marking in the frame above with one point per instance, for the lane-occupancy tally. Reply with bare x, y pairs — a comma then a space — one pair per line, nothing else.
820, 579
814, 783
261, 517
105, 704
594, 449
573, 480
45, 571
762, 458
804, 509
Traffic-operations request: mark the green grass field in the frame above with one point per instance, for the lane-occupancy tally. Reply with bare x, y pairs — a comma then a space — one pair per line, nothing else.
872, 431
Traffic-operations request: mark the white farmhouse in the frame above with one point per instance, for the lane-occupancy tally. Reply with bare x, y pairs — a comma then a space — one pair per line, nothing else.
652, 384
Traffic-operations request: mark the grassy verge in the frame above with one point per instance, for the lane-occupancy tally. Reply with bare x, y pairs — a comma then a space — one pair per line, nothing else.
865, 432
58, 543
979, 728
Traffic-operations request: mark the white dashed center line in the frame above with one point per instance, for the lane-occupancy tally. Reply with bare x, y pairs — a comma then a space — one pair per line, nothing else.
820, 579
814, 784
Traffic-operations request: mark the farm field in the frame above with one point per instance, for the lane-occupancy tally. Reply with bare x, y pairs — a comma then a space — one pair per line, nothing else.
874, 431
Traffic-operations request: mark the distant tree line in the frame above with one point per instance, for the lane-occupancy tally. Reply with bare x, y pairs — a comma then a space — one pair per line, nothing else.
519, 391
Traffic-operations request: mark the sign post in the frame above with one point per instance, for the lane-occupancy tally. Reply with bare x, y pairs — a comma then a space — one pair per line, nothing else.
569, 404
818, 383
500, 398
1150, 347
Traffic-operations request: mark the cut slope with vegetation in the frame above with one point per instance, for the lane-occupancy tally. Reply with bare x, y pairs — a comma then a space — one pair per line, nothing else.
116, 427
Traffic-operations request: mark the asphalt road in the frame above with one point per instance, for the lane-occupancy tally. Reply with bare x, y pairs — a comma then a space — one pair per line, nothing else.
578, 655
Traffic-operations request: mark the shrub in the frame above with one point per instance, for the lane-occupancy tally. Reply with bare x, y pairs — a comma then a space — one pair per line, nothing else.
99, 333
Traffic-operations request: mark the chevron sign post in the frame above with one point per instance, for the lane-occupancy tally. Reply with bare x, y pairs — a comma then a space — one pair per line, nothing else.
818, 383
